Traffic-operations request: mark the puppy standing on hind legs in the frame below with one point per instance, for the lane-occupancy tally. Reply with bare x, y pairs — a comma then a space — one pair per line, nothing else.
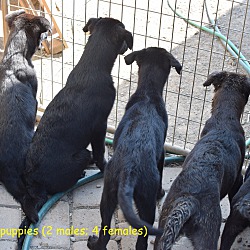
135, 169
76, 117
211, 170
18, 87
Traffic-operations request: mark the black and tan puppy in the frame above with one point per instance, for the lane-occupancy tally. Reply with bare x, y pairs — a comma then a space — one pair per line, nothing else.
77, 116
239, 218
136, 166
211, 170
18, 87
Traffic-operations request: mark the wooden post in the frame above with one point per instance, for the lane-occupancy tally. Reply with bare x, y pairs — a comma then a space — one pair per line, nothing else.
29, 8
44, 3
4, 7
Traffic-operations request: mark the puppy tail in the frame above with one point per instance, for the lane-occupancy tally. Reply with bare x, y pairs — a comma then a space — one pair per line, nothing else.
183, 209
125, 200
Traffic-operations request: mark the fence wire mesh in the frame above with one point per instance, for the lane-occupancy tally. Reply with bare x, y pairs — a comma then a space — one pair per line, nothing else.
153, 23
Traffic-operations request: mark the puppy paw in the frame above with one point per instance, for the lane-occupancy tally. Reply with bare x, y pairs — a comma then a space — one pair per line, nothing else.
33, 217
20, 242
101, 165
100, 162
160, 194
83, 174
92, 243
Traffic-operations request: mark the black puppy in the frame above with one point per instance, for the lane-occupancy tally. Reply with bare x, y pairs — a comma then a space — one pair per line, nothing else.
211, 170
136, 166
18, 87
77, 116
239, 218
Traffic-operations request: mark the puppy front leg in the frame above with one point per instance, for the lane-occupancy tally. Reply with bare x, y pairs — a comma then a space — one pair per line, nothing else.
107, 208
98, 146
160, 166
146, 206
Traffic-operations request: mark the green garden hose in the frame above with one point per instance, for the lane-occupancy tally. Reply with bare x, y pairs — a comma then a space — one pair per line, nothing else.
233, 50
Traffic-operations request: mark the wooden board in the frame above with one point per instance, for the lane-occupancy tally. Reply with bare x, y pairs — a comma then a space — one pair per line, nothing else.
57, 43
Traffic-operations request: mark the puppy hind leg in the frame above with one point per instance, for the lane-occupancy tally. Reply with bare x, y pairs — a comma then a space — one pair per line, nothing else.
146, 211
237, 184
14, 185
24, 225
203, 242
235, 224
206, 236
160, 166
107, 207
33, 201
98, 147
31, 208
84, 158
66, 170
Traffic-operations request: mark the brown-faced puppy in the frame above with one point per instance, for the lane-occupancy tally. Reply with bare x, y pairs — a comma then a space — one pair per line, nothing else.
18, 87
239, 218
136, 166
77, 116
211, 170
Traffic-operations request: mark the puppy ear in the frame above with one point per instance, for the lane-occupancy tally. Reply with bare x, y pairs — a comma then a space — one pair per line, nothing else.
216, 78
175, 63
130, 58
44, 25
91, 24
128, 38
11, 17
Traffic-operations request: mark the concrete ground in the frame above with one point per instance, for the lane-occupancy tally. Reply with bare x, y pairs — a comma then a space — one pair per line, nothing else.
80, 210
